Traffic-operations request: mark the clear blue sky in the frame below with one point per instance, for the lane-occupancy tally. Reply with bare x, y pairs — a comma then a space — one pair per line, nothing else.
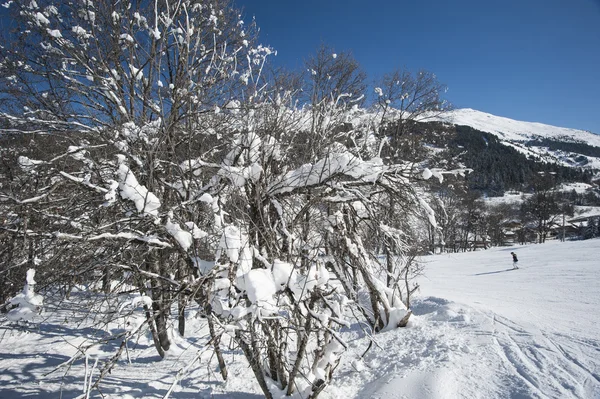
532, 60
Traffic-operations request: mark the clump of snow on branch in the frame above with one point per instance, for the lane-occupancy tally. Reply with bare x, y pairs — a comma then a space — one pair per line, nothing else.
242, 162
145, 201
184, 238
234, 246
428, 211
426, 174
28, 164
335, 164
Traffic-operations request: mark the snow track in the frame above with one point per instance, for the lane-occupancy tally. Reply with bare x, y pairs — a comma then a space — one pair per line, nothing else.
484, 355
542, 368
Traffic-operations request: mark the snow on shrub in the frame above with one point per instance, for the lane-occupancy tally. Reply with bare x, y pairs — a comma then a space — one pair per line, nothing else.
145, 201
27, 303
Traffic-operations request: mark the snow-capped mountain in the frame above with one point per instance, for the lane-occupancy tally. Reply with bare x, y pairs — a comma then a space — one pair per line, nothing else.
531, 138
510, 129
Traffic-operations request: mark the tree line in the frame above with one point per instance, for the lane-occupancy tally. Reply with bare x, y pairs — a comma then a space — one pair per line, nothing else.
467, 221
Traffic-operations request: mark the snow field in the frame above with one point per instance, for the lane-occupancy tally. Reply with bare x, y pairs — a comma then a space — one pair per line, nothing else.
479, 330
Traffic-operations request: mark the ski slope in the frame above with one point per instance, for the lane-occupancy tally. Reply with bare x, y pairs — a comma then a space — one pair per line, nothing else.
479, 330
485, 331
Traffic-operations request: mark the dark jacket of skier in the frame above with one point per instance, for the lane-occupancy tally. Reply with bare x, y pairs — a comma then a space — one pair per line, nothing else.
514, 255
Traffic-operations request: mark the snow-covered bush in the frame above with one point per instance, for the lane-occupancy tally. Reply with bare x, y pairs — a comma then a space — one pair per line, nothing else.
190, 175
299, 241
27, 304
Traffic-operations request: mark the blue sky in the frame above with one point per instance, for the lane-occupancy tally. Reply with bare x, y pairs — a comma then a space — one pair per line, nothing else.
532, 60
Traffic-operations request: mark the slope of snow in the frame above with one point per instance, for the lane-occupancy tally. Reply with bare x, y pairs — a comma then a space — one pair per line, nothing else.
493, 332
509, 129
536, 327
479, 330
584, 212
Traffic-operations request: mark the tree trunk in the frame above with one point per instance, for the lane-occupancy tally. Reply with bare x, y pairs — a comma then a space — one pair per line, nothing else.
181, 314
161, 318
106, 281
152, 326
253, 355
159, 305
216, 340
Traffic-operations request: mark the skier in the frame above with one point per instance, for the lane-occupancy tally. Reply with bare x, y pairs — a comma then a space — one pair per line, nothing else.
515, 260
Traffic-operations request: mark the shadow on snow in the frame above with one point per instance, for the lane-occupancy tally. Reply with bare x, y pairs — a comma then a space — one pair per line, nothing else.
497, 271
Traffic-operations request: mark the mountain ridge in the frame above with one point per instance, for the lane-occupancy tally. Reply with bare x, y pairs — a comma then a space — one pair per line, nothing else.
533, 139
515, 130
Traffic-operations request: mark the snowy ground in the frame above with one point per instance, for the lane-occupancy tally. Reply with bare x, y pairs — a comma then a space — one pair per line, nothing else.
480, 330
527, 333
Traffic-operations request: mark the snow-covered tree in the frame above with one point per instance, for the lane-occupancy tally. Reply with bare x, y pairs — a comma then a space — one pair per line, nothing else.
404, 97
133, 87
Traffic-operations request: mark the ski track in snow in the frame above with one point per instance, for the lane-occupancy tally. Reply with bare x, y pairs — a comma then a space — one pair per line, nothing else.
479, 330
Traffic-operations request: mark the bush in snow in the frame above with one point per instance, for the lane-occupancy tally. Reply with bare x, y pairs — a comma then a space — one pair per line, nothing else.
197, 177
27, 304
287, 226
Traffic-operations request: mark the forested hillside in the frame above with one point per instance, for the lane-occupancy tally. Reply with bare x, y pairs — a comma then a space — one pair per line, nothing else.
567, 146
498, 168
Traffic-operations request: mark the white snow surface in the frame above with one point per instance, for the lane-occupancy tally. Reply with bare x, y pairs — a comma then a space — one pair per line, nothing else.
478, 330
